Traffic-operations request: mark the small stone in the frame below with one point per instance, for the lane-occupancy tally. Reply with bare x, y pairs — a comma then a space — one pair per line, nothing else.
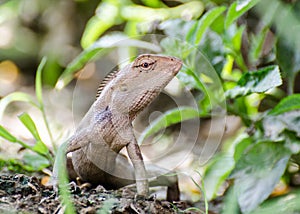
88, 210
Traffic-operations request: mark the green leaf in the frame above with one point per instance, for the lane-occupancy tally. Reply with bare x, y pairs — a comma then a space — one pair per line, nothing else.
216, 173
29, 124
222, 165
37, 162
18, 166
288, 58
233, 42
236, 40
213, 46
38, 81
289, 103
138, 13
191, 75
242, 3
106, 42
291, 141
258, 81
107, 15
169, 118
237, 9
288, 203
274, 126
6, 135
242, 144
242, 108
154, 3
39, 146
231, 205
257, 42
13, 97
196, 32
257, 173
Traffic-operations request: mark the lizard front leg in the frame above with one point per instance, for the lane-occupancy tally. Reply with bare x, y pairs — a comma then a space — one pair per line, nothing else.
136, 158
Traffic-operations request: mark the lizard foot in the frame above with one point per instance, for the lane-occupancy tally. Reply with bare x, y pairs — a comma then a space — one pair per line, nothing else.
173, 193
139, 197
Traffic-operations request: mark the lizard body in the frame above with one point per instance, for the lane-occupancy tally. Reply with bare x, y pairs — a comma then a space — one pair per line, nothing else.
107, 127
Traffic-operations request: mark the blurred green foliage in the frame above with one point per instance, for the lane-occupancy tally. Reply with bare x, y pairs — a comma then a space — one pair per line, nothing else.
252, 45
31, 29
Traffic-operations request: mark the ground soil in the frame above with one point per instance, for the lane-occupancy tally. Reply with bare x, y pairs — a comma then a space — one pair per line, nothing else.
21, 193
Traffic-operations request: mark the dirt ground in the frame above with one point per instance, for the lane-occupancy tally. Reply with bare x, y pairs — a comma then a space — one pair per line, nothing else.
20, 193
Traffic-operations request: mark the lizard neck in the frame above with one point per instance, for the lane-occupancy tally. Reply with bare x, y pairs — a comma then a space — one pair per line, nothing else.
129, 107
141, 102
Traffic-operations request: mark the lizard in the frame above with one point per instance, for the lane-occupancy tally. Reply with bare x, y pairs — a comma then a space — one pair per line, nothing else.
107, 128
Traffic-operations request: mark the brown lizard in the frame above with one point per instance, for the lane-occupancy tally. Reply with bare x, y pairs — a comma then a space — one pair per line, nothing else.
107, 128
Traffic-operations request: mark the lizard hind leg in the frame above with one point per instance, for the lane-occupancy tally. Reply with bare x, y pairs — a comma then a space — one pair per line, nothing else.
123, 173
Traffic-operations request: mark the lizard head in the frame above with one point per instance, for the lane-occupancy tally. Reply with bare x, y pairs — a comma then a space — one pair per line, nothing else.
155, 64
137, 84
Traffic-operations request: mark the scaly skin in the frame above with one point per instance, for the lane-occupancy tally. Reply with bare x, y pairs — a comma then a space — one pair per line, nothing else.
107, 128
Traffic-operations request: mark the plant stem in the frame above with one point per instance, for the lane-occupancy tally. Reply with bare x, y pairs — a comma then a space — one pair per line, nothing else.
48, 128
291, 81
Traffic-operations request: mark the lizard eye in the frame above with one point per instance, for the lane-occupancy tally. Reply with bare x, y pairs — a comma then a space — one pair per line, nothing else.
145, 65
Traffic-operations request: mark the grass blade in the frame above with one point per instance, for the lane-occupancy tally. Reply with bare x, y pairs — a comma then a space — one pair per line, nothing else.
29, 124
194, 36
6, 135
39, 146
38, 81
60, 173
236, 10
13, 97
